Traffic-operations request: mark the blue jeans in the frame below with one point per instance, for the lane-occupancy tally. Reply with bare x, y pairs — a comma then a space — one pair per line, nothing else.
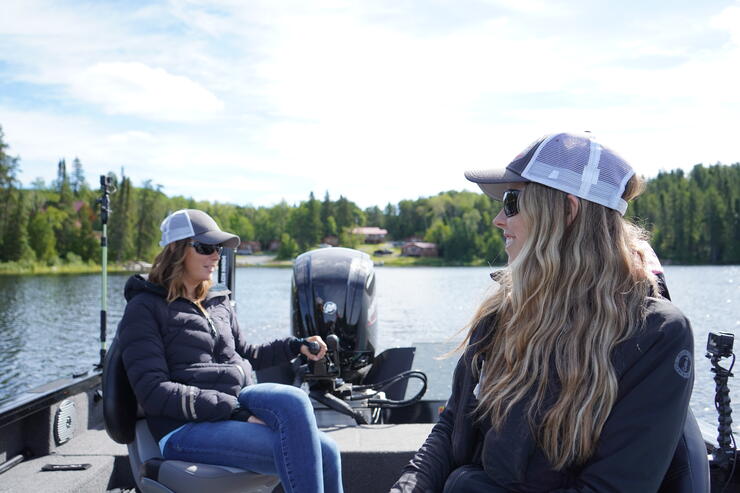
290, 446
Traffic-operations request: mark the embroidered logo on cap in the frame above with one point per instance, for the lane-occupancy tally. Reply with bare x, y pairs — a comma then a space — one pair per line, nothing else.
682, 365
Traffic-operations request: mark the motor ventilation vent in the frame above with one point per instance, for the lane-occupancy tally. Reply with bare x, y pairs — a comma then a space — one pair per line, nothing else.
64, 422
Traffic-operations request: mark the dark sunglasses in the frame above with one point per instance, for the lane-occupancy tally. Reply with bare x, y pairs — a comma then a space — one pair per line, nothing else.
511, 202
205, 249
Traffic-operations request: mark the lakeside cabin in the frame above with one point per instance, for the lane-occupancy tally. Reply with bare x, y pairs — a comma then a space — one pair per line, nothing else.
419, 249
371, 234
249, 247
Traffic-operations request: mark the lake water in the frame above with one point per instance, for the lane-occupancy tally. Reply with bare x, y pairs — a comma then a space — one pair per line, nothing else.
49, 325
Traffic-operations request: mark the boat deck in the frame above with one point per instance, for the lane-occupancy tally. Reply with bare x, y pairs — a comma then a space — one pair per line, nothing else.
372, 458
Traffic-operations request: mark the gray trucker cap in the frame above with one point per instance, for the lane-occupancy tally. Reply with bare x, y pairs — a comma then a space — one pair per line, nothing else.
569, 162
195, 224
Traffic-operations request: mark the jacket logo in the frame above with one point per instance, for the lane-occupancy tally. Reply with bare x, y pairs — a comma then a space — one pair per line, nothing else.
682, 365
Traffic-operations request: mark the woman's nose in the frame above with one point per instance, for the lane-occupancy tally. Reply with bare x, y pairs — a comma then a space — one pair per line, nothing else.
500, 220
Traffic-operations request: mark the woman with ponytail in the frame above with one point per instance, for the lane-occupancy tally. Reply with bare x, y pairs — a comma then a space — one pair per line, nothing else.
576, 373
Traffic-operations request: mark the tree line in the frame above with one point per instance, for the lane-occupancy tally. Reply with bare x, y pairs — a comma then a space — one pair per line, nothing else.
693, 217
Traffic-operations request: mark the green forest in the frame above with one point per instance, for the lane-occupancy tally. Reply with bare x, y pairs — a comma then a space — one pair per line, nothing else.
694, 218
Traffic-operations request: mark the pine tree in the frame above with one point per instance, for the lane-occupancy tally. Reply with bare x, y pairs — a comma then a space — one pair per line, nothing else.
374, 216
327, 211
343, 213
79, 185
313, 213
390, 220
120, 223
16, 247
151, 210
8, 185
330, 227
41, 237
305, 223
62, 184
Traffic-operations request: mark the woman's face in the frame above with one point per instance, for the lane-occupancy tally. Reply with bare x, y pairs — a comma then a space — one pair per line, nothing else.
198, 267
514, 228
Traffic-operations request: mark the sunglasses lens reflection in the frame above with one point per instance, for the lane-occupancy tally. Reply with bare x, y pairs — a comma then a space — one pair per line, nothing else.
204, 249
511, 202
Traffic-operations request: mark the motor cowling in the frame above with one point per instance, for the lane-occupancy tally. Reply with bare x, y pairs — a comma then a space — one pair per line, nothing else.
333, 292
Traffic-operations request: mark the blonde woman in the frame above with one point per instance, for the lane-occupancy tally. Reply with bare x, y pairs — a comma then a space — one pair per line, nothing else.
191, 369
576, 374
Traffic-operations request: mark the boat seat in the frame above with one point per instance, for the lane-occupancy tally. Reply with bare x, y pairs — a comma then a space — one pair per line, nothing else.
125, 424
689, 468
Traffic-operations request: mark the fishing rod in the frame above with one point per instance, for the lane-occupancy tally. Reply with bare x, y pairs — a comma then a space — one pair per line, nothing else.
104, 201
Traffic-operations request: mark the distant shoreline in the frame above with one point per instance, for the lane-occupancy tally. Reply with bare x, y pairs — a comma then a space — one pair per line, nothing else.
248, 261
252, 261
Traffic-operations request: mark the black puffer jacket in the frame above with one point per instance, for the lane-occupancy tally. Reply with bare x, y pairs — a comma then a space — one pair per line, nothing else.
185, 366
655, 373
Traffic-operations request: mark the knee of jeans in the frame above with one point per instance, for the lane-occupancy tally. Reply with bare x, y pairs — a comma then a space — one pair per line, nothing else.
329, 448
297, 396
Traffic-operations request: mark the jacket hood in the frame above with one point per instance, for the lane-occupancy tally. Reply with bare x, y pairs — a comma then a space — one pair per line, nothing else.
138, 284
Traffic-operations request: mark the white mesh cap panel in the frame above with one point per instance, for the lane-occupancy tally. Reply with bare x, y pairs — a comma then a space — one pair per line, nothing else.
579, 166
175, 227
615, 173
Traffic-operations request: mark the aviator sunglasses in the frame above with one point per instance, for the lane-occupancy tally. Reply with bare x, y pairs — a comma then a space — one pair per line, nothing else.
205, 249
511, 202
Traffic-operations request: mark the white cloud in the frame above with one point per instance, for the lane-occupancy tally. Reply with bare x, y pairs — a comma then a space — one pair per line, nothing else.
729, 20
135, 89
538, 7
366, 100
131, 137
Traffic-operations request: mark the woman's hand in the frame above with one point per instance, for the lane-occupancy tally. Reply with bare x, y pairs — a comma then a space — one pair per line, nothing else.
322, 348
242, 414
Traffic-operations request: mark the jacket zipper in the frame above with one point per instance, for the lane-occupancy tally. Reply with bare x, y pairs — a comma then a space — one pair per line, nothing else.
203, 311
210, 324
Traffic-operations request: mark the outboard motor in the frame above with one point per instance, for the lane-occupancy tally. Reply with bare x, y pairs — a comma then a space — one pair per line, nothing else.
333, 293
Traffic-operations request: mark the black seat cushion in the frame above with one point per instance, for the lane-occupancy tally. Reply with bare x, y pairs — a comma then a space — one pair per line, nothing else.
119, 401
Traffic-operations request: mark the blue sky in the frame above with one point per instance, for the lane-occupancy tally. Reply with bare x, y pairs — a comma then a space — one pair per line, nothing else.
251, 102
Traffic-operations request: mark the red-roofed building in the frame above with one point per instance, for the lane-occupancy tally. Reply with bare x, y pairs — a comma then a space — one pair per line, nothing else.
248, 247
371, 234
419, 249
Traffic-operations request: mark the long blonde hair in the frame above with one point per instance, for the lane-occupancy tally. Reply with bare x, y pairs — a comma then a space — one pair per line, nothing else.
168, 270
570, 296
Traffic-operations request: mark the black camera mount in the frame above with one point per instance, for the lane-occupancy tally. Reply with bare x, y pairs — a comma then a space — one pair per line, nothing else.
719, 346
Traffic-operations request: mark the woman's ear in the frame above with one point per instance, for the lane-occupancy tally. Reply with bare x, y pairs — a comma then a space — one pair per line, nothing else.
573, 207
